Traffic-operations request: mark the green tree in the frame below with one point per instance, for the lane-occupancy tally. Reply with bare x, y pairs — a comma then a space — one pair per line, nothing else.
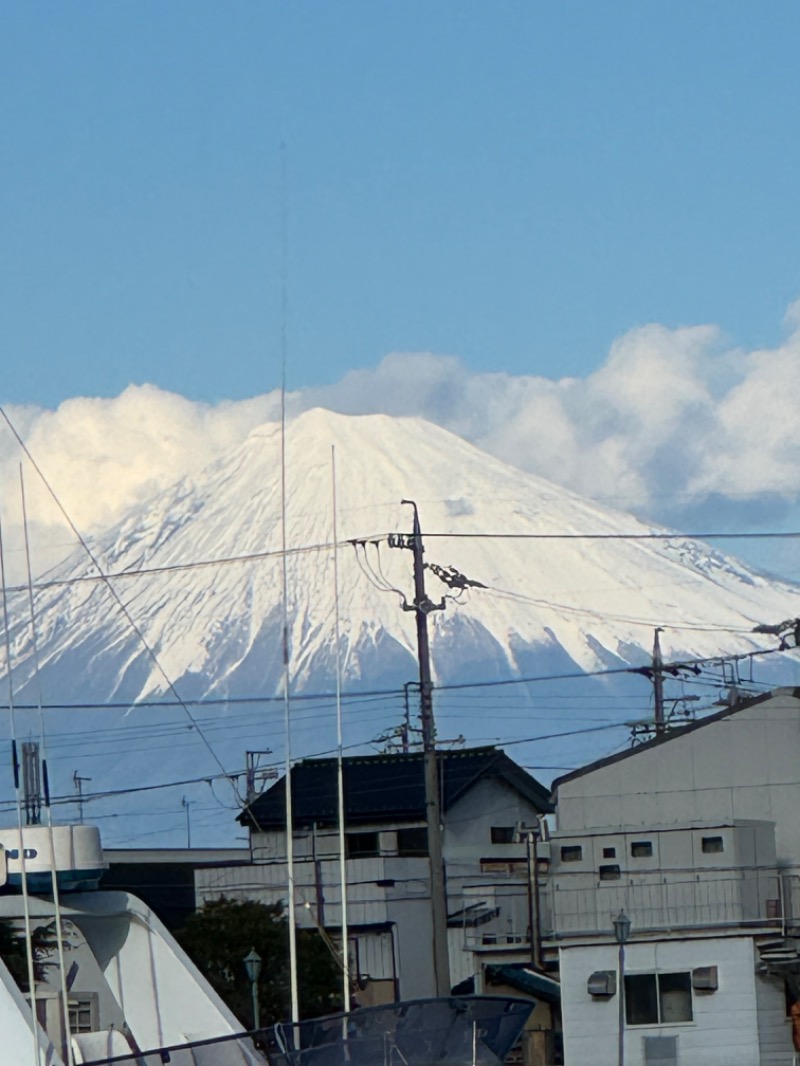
219, 935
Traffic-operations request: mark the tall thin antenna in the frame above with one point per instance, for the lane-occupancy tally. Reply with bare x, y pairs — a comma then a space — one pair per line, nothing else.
285, 604
51, 836
26, 910
339, 751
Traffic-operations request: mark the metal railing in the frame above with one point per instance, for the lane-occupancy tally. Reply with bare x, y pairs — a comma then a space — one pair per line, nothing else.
677, 900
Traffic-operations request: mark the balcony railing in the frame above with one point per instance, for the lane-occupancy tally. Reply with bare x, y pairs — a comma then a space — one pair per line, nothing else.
678, 900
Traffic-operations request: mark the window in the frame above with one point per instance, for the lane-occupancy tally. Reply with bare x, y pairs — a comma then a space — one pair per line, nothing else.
571, 853
502, 834
712, 845
641, 849
609, 873
412, 841
363, 845
609, 853
83, 1013
658, 999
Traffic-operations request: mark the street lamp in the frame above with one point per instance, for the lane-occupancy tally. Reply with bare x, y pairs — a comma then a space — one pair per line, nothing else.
622, 930
252, 963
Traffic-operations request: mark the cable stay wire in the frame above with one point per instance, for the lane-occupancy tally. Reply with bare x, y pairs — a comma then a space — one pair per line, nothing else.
375, 577
109, 585
609, 616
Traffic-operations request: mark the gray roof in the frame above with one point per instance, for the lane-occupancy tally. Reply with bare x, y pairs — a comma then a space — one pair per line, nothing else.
673, 734
381, 788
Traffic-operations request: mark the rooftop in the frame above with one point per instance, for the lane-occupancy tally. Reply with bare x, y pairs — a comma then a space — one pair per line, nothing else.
381, 788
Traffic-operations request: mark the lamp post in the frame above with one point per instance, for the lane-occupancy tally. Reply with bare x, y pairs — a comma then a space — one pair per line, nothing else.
252, 963
622, 929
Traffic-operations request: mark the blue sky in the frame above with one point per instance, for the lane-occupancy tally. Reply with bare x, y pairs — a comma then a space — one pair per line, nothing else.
517, 184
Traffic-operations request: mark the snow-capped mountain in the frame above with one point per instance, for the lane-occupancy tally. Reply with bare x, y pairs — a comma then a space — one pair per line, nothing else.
200, 572
216, 628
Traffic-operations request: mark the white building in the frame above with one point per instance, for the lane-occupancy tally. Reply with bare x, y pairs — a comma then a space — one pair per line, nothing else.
486, 798
695, 835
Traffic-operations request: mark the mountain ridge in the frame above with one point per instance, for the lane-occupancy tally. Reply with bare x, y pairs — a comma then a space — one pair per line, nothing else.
198, 615
200, 570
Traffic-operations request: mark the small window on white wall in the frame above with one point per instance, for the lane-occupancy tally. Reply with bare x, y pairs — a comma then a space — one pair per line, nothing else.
658, 998
571, 853
713, 845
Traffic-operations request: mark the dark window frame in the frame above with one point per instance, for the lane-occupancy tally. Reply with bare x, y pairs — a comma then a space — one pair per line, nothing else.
645, 1002
609, 872
641, 849
712, 845
363, 844
413, 841
571, 852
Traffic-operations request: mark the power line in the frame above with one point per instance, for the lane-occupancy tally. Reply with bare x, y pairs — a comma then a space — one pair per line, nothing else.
172, 568
714, 535
251, 557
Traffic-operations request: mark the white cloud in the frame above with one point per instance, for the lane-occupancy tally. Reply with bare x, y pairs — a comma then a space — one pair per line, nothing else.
101, 456
670, 421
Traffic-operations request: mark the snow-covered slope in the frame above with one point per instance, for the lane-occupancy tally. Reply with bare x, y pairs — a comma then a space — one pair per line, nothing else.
216, 628
200, 572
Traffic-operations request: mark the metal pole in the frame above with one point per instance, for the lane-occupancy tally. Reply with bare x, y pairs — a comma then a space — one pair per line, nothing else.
534, 911
340, 796
406, 728
441, 960
256, 1010
622, 929
186, 804
658, 686
621, 997
531, 905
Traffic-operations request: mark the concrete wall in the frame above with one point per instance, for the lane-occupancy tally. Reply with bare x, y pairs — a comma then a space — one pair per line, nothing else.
679, 886
774, 1025
724, 1030
743, 766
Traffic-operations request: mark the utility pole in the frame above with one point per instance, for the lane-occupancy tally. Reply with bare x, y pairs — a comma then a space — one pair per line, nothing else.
405, 729
254, 773
79, 782
422, 607
186, 804
658, 686
531, 835
31, 782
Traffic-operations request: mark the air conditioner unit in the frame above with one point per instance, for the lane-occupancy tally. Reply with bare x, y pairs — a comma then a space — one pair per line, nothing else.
602, 983
661, 1050
705, 979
